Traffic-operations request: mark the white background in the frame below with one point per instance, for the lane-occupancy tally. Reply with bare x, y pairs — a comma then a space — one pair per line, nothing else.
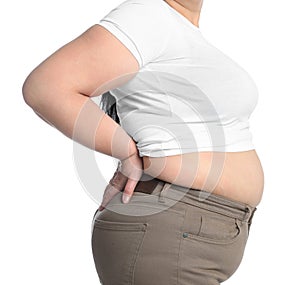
45, 212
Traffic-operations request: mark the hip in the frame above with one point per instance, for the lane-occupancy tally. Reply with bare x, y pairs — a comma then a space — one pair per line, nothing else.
174, 229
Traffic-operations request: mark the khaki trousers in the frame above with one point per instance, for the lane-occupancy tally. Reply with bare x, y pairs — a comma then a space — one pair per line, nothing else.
173, 236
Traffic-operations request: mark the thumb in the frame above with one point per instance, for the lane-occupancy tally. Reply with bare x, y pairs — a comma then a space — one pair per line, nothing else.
128, 190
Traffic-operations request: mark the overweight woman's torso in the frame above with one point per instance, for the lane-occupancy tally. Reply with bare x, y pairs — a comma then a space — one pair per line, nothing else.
187, 95
235, 175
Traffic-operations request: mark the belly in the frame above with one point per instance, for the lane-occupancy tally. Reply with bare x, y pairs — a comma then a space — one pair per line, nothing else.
236, 175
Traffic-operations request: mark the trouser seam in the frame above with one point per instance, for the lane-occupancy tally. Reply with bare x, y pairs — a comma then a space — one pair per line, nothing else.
179, 248
136, 257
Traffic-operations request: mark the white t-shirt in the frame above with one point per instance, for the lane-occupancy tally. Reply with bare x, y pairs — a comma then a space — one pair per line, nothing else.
188, 96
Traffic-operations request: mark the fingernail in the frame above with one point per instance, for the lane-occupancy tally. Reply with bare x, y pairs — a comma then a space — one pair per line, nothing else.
125, 198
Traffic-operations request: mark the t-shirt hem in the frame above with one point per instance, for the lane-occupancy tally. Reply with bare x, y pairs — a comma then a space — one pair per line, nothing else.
171, 152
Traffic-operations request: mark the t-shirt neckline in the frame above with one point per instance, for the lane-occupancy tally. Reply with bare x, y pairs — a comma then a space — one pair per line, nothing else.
184, 19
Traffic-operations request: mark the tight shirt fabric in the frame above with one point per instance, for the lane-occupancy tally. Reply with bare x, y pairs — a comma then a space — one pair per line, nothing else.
187, 96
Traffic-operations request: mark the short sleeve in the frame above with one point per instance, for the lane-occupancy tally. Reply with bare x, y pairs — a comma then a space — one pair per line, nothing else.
141, 26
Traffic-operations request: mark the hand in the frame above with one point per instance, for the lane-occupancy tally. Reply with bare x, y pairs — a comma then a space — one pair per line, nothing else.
126, 176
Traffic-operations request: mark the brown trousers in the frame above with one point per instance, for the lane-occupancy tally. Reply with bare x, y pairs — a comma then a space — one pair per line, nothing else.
172, 236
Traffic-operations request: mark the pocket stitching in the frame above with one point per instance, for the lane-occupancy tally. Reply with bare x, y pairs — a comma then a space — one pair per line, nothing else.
215, 241
120, 226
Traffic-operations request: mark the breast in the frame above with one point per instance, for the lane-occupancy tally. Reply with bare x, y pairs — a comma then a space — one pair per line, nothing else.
223, 82
177, 103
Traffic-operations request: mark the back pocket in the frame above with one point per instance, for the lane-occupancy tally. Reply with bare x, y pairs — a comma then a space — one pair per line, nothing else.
115, 247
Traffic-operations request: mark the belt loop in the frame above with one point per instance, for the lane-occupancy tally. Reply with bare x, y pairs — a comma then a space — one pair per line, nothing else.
157, 187
249, 214
163, 192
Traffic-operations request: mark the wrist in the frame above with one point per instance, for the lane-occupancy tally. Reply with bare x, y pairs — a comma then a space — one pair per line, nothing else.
123, 159
132, 151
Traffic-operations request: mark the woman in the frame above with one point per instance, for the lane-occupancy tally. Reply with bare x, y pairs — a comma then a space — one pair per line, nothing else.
179, 207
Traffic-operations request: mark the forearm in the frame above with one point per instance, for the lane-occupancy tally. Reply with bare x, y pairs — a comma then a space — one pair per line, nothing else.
80, 119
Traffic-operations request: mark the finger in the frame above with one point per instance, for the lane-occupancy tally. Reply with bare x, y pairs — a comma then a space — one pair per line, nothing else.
109, 192
128, 190
115, 185
118, 180
106, 199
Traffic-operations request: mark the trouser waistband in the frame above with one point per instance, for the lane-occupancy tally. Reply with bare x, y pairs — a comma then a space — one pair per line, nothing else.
198, 198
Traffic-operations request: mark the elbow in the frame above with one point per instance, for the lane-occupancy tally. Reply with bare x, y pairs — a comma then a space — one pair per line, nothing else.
34, 92
29, 92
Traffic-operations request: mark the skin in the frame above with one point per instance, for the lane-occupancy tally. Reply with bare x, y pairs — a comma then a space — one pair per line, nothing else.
191, 9
59, 90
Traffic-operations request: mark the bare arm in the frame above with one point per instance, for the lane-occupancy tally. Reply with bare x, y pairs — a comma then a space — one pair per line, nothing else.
59, 90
